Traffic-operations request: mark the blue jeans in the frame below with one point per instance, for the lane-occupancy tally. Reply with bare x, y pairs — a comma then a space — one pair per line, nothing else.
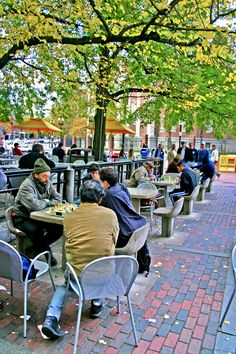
58, 300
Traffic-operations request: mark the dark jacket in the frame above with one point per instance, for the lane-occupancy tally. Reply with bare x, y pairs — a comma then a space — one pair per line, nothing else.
208, 170
172, 167
188, 180
129, 220
28, 160
58, 151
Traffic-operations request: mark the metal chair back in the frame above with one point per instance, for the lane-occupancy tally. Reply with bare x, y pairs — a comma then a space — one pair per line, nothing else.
104, 277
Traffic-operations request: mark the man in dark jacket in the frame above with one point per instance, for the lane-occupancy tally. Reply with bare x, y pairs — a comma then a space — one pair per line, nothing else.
28, 160
207, 168
118, 199
188, 182
59, 152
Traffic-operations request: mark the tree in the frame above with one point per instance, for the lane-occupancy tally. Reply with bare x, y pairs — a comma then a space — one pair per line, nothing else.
114, 48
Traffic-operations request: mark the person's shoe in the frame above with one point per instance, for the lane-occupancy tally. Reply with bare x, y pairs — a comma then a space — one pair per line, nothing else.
51, 329
53, 260
1, 304
96, 310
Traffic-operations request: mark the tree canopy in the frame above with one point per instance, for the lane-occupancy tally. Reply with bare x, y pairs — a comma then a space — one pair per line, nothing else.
179, 54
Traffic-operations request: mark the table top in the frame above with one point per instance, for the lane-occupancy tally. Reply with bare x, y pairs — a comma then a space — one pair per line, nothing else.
45, 216
165, 183
137, 193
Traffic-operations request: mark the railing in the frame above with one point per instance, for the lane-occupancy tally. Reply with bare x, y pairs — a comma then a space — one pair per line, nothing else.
68, 179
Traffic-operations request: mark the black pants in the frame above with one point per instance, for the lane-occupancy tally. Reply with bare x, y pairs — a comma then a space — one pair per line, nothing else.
42, 234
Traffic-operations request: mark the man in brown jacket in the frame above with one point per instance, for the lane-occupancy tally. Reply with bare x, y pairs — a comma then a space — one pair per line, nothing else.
91, 233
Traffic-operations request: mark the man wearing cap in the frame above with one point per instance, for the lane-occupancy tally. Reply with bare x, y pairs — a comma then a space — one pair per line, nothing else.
142, 174
37, 193
188, 182
91, 232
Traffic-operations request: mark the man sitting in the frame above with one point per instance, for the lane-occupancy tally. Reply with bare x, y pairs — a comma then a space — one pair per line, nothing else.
142, 174
28, 160
16, 150
207, 169
118, 199
91, 232
59, 152
37, 193
188, 182
93, 172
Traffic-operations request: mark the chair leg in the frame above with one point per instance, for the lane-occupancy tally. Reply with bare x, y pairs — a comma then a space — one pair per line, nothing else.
132, 321
25, 308
77, 326
227, 308
51, 277
11, 287
117, 304
167, 226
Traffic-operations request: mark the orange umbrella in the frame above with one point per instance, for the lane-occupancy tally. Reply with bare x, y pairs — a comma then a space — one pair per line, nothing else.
38, 124
115, 127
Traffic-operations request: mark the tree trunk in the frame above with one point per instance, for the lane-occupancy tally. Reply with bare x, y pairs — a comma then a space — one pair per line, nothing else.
99, 132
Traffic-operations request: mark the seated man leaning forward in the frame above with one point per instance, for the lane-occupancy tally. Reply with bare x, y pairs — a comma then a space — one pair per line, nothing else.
91, 232
37, 193
118, 199
142, 174
188, 182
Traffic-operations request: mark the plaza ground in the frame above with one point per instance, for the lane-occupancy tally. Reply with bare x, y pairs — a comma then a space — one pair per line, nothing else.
177, 308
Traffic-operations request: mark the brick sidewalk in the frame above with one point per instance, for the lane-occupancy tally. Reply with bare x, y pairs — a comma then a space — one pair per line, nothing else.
180, 310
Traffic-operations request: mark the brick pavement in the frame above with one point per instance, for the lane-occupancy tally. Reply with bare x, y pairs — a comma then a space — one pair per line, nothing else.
179, 314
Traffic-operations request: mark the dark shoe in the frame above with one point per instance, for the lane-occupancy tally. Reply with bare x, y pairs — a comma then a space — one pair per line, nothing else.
53, 260
1, 304
96, 308
51, 329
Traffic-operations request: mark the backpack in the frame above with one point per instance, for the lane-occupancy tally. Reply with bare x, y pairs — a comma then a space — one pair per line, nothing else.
26, 262
144, 259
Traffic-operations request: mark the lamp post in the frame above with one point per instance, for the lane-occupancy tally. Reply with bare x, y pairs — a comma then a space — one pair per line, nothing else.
180, 133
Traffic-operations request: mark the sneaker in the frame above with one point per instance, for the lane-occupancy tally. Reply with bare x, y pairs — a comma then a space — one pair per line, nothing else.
96, 309
51, 329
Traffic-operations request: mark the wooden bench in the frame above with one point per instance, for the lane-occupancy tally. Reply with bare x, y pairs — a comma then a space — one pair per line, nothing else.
188, 200
23, 242
135, 243
168, 217
210, 187
202, 191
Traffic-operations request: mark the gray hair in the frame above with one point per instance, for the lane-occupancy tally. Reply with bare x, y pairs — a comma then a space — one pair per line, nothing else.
91, 191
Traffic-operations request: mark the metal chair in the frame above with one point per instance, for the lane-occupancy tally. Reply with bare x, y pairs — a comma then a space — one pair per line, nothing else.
23, 242
79, 162
157, 199
135, 243
104, 277
233, 262
11, 268
54, 158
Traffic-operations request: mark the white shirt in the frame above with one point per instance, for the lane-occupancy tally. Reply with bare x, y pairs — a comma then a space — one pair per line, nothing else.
214, 155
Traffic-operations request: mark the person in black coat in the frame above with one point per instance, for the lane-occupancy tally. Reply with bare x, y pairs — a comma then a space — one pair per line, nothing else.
188, 181
28, 160
59, 152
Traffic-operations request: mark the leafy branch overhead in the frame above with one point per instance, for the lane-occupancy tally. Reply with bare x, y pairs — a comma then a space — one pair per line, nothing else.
179, 52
